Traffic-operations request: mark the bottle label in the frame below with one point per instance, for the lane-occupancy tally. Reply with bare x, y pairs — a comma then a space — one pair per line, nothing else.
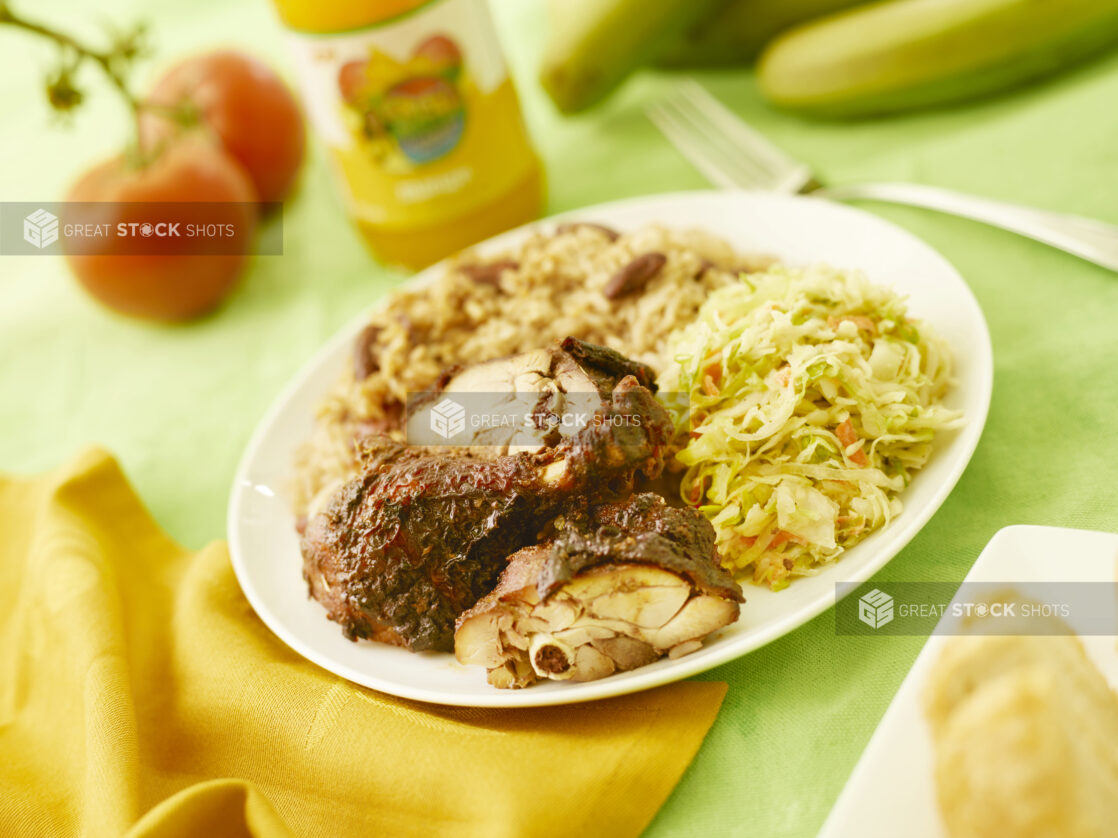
418, 111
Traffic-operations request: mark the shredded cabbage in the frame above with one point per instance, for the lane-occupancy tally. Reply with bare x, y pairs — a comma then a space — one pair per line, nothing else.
804, 401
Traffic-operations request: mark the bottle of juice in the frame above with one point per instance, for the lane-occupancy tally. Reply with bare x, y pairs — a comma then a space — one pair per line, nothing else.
415, 103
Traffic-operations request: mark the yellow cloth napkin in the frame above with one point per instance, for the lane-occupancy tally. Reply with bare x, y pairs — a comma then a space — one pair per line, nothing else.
141, 696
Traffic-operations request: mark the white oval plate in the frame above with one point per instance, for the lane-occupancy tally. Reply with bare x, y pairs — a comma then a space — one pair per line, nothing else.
799, 231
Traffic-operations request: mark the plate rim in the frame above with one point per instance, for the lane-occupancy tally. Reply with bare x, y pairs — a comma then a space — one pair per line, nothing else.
900, 533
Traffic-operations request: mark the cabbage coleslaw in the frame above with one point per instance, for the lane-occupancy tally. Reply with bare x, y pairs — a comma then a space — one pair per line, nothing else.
811, 399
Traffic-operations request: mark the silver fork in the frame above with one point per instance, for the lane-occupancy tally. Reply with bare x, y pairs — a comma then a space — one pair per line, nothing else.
732, 155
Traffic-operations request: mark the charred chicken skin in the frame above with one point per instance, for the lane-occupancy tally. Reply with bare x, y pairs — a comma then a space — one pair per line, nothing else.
400, 551
618, 587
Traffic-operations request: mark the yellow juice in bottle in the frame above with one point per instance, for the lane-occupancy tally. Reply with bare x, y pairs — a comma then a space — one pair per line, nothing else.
414, 101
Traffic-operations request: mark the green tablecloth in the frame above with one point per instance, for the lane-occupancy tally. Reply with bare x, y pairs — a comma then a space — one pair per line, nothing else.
177, 404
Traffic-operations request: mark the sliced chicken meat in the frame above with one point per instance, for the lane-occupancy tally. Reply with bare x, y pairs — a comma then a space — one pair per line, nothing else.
617, 588
527, 402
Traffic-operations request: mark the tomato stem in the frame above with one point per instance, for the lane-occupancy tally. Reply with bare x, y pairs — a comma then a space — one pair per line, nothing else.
115, 63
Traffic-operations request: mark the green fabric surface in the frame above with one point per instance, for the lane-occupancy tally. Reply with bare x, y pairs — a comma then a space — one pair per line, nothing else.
177, 404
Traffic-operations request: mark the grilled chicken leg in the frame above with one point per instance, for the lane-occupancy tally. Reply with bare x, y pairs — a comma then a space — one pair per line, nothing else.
421, 535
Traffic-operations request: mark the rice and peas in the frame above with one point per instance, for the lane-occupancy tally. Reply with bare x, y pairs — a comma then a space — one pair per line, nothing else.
776, 448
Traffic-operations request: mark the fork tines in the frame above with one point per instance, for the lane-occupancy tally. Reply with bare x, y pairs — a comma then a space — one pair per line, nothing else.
720, 145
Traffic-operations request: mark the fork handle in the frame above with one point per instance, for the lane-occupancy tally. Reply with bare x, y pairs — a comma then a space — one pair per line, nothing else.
1094, 241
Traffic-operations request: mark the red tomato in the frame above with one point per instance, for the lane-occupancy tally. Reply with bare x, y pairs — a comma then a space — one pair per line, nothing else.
247, 106
174, 278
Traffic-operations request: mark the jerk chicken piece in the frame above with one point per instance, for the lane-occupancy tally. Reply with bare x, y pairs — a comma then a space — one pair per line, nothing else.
557, 389
617, 588
422, 534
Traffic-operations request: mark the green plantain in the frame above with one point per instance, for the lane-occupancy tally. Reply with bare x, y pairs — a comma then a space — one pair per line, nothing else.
593, 45
905, 54
736, 33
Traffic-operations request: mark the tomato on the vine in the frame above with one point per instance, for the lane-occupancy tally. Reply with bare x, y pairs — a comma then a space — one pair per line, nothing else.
247, 107
178, 277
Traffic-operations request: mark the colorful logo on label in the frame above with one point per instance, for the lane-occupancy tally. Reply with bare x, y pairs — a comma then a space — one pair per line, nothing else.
410, 112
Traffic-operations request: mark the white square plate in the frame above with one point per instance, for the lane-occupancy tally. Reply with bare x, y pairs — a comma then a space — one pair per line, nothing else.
891, 791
